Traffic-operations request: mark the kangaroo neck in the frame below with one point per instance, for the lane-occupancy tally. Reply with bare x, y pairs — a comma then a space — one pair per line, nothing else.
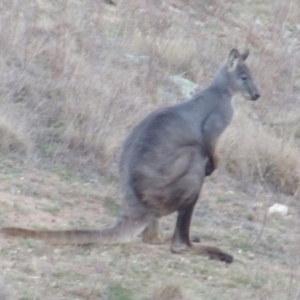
215, 99
222, 83
218, 94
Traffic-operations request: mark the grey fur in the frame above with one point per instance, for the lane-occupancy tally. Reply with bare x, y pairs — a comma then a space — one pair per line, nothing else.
164, 162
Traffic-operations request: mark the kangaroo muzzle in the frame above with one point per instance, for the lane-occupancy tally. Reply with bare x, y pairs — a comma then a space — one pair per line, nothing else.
255, 96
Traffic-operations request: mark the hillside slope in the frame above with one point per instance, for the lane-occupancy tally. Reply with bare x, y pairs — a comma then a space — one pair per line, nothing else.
75, 76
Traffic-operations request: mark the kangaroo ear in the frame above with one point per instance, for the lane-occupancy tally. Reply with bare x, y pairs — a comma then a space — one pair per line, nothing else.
233, 59
245, 55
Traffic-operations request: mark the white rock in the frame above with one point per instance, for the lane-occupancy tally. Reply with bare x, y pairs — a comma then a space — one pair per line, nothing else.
278, 209
187, 87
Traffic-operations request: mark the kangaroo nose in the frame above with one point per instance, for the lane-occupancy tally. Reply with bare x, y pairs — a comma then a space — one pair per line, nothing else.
255, 96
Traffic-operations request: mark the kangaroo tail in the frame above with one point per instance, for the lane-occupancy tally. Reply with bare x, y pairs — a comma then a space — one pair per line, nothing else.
122, 232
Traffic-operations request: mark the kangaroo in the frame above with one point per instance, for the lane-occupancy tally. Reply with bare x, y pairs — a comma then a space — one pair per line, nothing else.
163, 164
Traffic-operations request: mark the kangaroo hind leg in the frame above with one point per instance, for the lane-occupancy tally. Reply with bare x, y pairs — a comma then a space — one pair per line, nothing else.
181, 239
130, 228
153, 233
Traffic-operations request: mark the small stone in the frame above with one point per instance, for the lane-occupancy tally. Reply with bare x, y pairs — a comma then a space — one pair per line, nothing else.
280, 209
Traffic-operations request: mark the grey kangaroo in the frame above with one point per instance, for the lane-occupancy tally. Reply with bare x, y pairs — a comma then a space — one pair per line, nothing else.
163, 164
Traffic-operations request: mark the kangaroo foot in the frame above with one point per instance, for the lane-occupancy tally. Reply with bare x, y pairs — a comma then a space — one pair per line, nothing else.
155, 239
179, 248
153, 234
195, 239
163, 238
212, 252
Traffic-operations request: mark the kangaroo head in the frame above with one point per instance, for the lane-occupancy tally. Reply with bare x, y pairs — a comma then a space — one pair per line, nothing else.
240, 75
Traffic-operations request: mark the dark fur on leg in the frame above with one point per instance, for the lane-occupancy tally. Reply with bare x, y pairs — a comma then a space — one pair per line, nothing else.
213, 253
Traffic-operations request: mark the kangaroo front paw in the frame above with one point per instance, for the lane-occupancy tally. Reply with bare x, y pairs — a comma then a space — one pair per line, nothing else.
208, 169
211, 165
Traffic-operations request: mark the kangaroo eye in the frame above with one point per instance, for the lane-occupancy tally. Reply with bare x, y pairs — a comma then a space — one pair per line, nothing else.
244, 77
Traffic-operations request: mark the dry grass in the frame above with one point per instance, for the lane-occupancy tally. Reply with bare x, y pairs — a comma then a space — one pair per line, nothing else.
140, 271
75, 76
13, 139
72, 73
168, 292
260, 156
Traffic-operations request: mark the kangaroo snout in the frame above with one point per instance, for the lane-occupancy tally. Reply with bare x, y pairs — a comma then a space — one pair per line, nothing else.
255, 96
251, 95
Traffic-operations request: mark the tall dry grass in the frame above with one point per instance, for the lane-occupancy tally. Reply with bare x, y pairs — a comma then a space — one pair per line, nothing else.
251, 153
76, 76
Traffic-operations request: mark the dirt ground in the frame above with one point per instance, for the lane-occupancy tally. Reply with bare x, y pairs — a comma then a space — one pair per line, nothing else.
265, 249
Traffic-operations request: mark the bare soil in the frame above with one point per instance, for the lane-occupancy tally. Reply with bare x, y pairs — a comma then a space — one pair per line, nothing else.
266, 250
76, 76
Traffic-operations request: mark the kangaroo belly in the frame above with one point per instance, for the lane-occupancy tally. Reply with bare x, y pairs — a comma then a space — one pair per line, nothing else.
163, 188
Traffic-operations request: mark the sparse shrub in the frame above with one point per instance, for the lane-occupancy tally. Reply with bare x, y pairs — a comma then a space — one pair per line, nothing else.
179, 56
13, 139
75, 78
251, 153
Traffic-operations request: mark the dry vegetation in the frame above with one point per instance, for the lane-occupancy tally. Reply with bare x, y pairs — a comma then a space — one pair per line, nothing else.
75, 76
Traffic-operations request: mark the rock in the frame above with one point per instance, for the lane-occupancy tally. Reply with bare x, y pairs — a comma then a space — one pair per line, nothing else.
278, 209
136, 58
187, 87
